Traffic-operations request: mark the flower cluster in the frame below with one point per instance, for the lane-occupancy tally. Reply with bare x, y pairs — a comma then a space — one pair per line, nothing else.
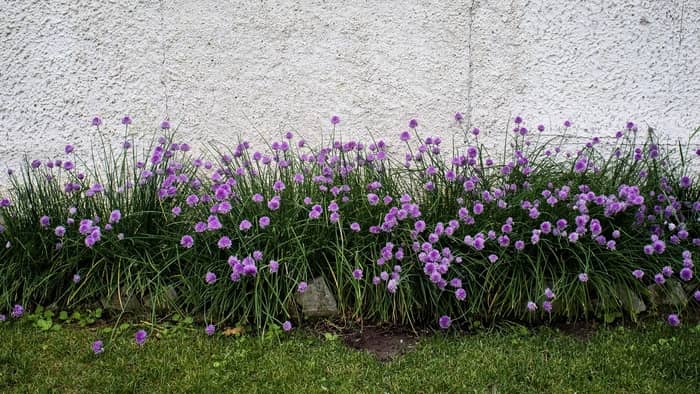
405, 232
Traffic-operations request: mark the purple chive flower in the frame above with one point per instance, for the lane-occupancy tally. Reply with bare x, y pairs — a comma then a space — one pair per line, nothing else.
115, 216
210, 278
96, 121
176, 211
59, 231
639, 274
264, 221
165, 124
413, 123
583, 277
76, 278
357, 273
274, 266
355, 227
44, 221
186, 241
224, 242
567, 123
547, 306
549, 293
68, 149
405, 136
126, 120
518, 120
686, 274
17, 311
685, 182
493, 258
140, 337
667, 271
213, 223
2, 317
659, 279
210, 329
97, 347
540, 127
696, 295
674, 320
301, 288
461, 294
459, 116
287, 326
531, 306
444, 322
335, 119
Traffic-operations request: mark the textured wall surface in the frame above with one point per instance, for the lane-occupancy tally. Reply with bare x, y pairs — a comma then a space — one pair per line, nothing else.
224, 69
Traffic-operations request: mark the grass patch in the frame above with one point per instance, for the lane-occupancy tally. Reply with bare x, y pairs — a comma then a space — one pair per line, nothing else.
651, 359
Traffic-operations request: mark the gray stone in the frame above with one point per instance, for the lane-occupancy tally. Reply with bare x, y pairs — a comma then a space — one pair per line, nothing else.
631, 301
317, 300
670, 293
161, 303
122, 301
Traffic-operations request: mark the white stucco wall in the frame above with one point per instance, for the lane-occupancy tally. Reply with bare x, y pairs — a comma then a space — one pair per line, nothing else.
220, 69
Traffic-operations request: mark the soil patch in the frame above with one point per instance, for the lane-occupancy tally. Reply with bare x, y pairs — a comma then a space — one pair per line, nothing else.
383, 343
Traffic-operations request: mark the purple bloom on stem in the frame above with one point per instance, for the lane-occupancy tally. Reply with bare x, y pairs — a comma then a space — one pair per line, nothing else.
357, 273
210, 278
76, 278
686, 274
165, 124
583, 277
274, 266
140, 337
659, 279
17, 311
674, 320
531, 306
115, 216
459, 116
44, 221
405, 136
547, 306
567, 123
186, 241
68, 149
518, 120
302, 287
444, 322
287, 326
685, 182
97, 347
210, 329
667, 271
126, 120
335, 119
59, 231
639, 274
696, 295
549, 293
224, 242
461, 294
96, 121
264, 221
413, 123
213, 223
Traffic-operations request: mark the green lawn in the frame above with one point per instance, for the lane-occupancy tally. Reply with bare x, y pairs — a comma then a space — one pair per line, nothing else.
652, 359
